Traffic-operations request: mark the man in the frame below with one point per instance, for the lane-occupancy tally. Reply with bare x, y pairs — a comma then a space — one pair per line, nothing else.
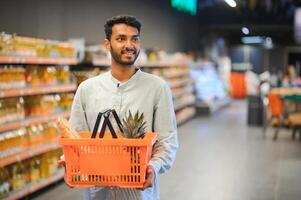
126, 88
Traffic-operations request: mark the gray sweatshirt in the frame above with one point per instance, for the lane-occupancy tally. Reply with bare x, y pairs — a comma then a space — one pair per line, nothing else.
143, 92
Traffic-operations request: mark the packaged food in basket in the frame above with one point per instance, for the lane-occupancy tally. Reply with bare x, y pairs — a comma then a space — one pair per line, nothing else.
109, 161
67, 130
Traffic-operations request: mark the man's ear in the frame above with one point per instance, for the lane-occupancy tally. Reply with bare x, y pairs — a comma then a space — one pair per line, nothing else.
107, 44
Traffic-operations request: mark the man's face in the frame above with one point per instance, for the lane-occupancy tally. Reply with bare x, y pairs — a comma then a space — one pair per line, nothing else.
124, 44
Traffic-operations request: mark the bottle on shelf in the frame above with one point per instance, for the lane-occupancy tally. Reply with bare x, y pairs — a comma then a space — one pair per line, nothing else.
4, 181
34, 169
18, 176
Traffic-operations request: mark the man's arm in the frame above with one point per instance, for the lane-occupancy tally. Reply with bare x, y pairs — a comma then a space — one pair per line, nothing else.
77, 119
165, 125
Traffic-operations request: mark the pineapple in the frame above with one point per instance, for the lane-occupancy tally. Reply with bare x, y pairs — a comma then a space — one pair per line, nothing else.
133, 126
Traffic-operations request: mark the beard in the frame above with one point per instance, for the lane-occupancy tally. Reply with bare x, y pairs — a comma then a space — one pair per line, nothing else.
118, 56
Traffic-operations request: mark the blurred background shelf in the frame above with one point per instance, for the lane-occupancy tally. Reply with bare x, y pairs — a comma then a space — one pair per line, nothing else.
33, 187
44, 61
32, 121
38, 90
28, 153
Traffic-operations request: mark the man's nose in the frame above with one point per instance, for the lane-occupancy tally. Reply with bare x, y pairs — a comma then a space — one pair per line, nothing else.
128, 44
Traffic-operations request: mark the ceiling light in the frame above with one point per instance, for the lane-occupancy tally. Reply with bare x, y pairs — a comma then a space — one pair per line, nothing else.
231, 3
245, 30
253, 40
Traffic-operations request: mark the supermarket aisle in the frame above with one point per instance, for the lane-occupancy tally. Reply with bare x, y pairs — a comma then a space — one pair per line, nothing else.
221, 158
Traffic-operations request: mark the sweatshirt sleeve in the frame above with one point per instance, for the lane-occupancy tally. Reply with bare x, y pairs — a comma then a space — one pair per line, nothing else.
165, 125
77, 118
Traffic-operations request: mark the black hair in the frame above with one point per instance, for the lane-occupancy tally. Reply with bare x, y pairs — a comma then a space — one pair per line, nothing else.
121, 19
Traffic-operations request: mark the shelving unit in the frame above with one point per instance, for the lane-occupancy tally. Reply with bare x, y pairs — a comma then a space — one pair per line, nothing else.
34, 60
210, 92
37, 90
28, 153
33, 187
34, 84
185, 114
32, 121
185, 101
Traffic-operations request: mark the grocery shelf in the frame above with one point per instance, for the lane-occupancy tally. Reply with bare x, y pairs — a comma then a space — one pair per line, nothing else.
174, 84
163, 64
33, 187
211, 106
28, 153
106, 63
101, 62
180, 93
189, 113
187, 102
46, 61
32, 120
38, 90
175, 74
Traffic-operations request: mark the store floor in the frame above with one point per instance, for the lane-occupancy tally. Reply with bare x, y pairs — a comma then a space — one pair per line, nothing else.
221, 158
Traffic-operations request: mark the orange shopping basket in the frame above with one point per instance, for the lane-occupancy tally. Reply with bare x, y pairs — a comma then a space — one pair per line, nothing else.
107, 161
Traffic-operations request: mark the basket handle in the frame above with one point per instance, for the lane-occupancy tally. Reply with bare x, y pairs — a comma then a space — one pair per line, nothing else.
106, 122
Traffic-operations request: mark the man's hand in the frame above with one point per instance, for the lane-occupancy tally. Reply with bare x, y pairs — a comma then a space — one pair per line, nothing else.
148, 177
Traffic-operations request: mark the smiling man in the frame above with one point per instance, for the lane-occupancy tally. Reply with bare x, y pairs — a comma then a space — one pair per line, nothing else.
125, 88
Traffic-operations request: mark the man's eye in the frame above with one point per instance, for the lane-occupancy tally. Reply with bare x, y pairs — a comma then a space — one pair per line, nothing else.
119, 39
135, 39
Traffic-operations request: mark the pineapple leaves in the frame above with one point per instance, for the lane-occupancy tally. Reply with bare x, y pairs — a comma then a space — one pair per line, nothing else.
134, 125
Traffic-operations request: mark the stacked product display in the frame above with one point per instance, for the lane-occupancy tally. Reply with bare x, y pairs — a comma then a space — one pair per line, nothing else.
16, 49
36, 87
210, 90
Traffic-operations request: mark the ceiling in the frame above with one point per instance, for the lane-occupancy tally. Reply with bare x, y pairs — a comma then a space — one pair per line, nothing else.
272, 18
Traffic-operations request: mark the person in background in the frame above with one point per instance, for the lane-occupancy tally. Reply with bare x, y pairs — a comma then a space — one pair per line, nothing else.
125, 88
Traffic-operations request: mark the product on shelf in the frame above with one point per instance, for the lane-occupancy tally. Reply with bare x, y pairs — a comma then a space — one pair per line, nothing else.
21, 174
86, 74
4, 181
96, 53
40, 105
50, 131
35, 134
47, 75
18, 176
32, 75
49, 164
17, 141
12, 77
41, 133
47, 104
16, 46
12, 142
34, 166
63, 74
11, 109
65, 101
